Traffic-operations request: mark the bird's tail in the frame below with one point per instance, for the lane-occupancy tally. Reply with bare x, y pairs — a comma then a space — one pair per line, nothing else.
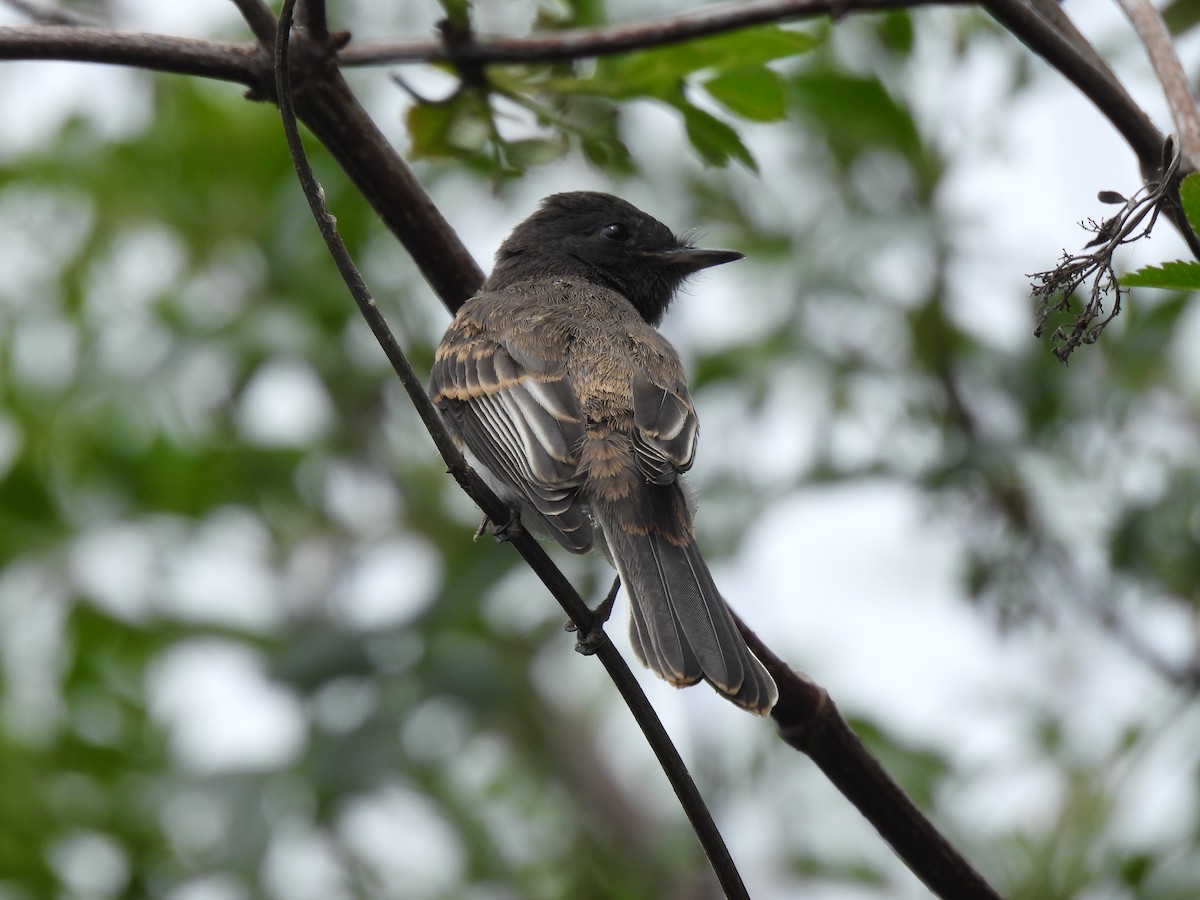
679, 624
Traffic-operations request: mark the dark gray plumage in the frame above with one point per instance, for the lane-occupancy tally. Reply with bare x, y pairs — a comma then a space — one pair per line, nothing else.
557, 385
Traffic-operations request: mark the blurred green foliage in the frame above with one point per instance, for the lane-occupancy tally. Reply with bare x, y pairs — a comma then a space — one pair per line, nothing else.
578, 101
181, 275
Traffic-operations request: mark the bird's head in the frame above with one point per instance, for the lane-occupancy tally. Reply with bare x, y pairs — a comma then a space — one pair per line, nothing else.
607, 241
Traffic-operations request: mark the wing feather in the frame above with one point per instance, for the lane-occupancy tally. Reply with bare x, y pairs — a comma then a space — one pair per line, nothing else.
665, 429
520, 419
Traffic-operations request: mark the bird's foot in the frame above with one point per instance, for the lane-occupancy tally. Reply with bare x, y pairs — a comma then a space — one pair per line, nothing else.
503, 532
589, 642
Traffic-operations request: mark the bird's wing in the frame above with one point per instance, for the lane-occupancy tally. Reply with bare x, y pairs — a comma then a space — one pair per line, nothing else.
520, 418
665, 427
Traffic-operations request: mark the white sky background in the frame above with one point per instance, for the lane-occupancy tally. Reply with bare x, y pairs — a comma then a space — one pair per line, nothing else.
856, 584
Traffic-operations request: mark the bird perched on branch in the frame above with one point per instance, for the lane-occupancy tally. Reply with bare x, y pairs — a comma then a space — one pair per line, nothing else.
562, 392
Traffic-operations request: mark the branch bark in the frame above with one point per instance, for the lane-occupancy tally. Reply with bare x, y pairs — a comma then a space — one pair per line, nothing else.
809, 721
1152, 31
320, 55
1064, 48
241, 63
260, 20
1039, 24
807, 718
609, 40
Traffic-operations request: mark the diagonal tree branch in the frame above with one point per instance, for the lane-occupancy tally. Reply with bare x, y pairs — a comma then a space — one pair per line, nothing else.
1064, 48
669, 758
813, 723
1160, 49
810, 722
1085, 69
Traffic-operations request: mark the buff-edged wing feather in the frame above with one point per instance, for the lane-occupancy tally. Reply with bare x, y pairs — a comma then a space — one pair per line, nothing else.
521, 420
665, 429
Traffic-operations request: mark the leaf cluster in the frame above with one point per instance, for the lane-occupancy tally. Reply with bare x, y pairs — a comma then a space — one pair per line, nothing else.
558, 105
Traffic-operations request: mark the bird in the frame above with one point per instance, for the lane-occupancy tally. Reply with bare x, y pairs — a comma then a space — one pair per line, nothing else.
557, 385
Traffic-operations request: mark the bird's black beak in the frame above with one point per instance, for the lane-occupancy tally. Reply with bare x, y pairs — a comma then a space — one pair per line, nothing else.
693, 259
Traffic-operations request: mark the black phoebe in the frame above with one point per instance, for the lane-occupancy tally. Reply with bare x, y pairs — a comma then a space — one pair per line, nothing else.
558, 386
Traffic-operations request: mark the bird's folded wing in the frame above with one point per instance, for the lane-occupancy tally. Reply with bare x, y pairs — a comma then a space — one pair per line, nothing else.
520, 418
665, 428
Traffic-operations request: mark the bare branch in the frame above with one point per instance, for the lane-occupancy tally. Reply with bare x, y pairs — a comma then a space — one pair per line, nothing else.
668, 756
1160, 49
608, 40
311, 14
162, 53
260, 19
1087, 71
809, 721
1060, 44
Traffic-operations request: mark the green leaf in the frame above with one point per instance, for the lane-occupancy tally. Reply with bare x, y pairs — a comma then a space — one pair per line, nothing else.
659, 72
753, 92
857, 114
1189, 192
428, 125
755, 46
524, 154
605, 152
1181, 16
715, 141
448, 129
896, 32
1172, 276
458, 14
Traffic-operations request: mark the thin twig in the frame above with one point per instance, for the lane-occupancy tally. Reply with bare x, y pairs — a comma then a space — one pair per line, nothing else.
1055, 288
1153, 33
643, 712
330, 110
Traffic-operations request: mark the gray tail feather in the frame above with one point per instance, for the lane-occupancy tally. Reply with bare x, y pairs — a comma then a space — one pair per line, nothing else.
679, 624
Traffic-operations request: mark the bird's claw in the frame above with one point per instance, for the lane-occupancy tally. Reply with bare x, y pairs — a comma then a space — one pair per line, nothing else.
503, 532
588, 643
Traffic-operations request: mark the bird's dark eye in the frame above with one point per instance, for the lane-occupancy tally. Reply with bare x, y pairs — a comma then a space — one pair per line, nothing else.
615, 232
